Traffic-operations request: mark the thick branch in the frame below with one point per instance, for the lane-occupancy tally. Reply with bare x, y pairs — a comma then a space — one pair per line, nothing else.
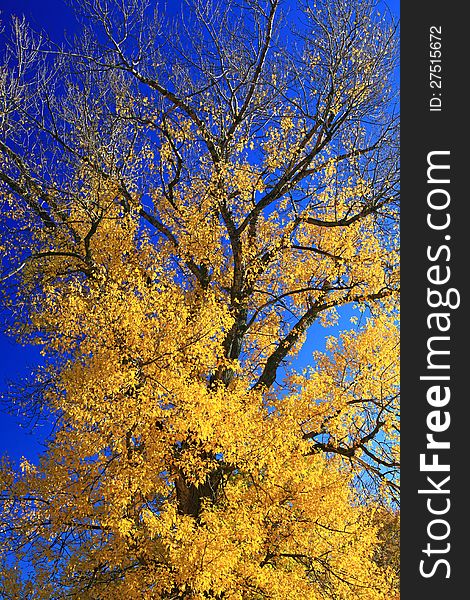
268, 376
29, 199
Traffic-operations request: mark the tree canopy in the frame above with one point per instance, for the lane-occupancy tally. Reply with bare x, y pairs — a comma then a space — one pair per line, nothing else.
182, 199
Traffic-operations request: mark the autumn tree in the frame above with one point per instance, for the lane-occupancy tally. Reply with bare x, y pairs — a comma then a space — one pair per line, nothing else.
183, 200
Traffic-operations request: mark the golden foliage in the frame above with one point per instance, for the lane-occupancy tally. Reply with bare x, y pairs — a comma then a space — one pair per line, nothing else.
192, 459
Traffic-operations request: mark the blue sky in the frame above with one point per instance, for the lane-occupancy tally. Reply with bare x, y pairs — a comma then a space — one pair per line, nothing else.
16, 437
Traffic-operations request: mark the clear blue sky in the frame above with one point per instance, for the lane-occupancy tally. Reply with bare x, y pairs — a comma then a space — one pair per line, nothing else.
17, 362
